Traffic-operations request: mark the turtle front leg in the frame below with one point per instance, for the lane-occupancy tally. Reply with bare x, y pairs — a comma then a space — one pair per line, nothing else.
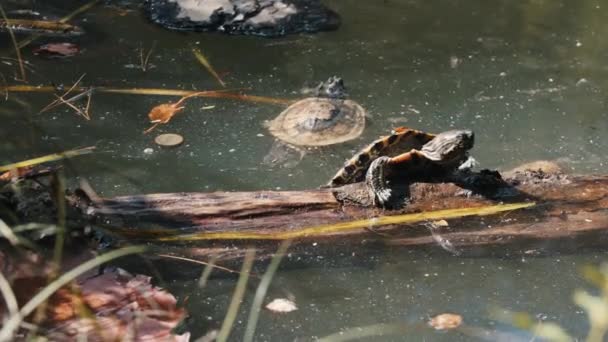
375, 180
384, 194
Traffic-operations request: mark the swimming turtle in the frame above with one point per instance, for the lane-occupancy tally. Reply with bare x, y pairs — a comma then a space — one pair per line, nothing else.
426, 154
327, 118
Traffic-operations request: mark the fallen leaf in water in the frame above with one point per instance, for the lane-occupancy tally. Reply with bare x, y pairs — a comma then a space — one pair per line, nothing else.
446, 321
164, 112
96, 306
58, 50
15, 173
281, 305
116, 311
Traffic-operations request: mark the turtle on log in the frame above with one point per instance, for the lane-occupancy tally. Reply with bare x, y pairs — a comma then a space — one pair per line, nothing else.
408, 155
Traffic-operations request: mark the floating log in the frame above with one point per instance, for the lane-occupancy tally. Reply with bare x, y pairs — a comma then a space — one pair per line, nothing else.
565, 212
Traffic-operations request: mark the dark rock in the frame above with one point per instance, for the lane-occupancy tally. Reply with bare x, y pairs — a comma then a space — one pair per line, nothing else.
269, 18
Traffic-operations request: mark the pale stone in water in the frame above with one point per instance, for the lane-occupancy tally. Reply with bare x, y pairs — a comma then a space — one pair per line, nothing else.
202, 11
169, 140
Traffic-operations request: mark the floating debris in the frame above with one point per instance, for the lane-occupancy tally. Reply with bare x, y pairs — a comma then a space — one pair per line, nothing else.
164, 112
84, 92
455, 62
281, 305
446, 321
57, 50
541, 91
203, 60
169, 140
15, 173
41, 27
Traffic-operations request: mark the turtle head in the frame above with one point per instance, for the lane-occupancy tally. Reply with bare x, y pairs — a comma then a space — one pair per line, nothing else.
333, 88
449, 147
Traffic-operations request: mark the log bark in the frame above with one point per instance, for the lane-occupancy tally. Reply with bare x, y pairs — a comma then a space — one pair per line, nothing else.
569, 212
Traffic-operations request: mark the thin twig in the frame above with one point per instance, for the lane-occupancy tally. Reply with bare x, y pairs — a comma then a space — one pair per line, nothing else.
76, 109
61, 100
211, 264
151, 128
58, 102
221, 93
88, 106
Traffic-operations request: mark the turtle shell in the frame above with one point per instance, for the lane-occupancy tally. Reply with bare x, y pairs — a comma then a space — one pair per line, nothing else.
319, 121
401, 140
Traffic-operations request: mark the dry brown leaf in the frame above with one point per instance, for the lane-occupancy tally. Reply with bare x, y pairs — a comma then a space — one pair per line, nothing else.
164, 112
15, 173
59, 50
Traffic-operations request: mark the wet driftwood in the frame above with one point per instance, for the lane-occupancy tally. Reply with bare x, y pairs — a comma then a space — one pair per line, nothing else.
570, 212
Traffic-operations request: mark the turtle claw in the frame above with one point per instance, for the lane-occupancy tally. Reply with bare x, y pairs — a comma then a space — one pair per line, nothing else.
468, 164
383, 197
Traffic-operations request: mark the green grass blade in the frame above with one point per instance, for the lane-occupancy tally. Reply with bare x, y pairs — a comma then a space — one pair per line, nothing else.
237, 297
48, 158
260, 293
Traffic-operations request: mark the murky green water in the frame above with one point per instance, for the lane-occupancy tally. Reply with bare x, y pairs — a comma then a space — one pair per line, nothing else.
530, 77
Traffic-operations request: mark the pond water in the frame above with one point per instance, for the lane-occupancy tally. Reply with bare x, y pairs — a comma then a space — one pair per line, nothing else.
529, 77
